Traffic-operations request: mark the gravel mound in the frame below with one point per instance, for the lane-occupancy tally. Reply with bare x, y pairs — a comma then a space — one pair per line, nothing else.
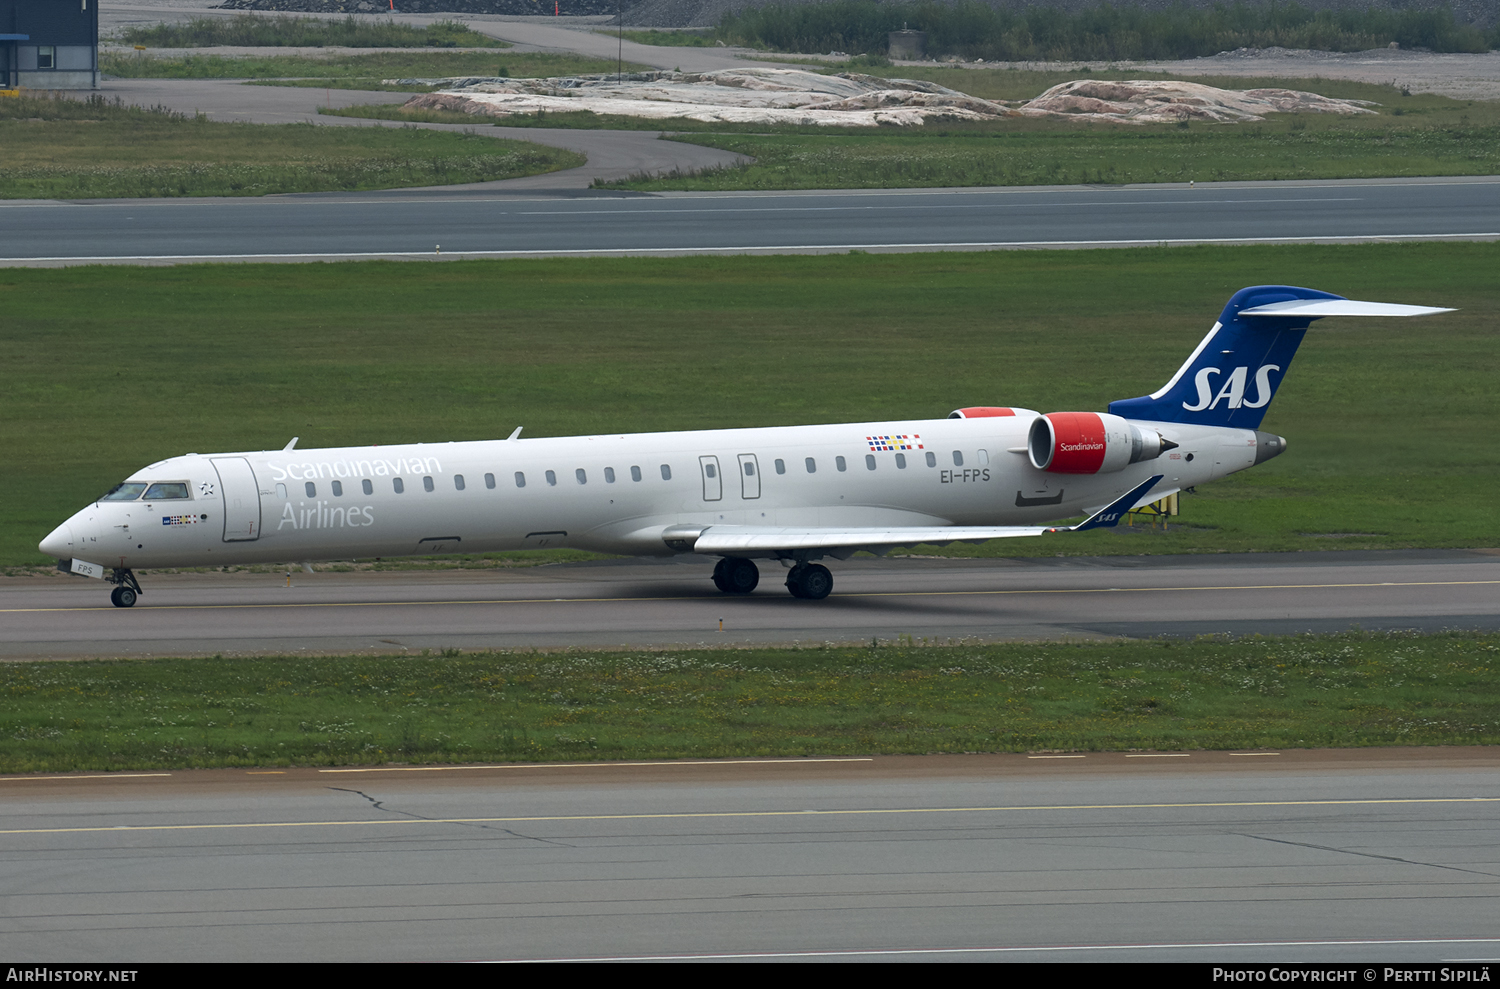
796, 96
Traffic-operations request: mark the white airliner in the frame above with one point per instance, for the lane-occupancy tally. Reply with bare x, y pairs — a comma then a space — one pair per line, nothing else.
796, 494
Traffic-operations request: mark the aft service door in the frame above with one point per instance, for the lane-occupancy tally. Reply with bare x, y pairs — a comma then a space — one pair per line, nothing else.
749, 476
713, 481
241, 499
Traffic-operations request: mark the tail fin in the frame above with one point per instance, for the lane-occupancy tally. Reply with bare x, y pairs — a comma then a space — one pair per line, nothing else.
1233, 375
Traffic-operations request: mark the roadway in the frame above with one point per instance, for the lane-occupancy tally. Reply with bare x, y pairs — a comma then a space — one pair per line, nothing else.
490, 223
664, 603
1372, 855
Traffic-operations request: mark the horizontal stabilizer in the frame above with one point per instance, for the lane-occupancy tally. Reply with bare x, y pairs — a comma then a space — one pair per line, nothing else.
1305, 308
733, 540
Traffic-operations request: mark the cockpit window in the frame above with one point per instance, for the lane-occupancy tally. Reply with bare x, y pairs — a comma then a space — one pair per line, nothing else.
167, 491
129, 491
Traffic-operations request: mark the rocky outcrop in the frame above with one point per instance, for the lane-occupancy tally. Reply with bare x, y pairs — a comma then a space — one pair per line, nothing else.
795, 96
1162, 101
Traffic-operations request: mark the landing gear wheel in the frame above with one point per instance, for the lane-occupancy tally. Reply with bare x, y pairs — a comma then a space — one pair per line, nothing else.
127, 588
811, 581
736, 576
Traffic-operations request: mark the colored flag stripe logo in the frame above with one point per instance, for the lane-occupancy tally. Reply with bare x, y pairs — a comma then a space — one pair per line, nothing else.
898, 442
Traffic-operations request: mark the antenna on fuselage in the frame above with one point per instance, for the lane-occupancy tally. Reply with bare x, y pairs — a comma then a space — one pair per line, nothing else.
513, 436
291, 444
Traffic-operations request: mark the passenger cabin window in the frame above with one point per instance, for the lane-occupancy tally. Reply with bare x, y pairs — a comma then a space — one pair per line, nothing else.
281, 491
552, 478
901, 461
489, 481
312, 489
958, 459
840, 463
338, 489
635, 473
609, 475
984, 458
398, 485
812, 465
129, 491
582, 477
458, 482
931, 459
869, 461
666, 472
520, 479
781, 466
367, 487
426, 484
167, 491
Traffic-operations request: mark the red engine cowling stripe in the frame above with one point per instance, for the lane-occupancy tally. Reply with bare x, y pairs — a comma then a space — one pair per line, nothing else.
1078, 444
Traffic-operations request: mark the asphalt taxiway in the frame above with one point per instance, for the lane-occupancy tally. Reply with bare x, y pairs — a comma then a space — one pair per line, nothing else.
649, 603
1386, 855
479, 223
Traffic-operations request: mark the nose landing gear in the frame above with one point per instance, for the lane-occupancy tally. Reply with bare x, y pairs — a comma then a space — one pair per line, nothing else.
128, 589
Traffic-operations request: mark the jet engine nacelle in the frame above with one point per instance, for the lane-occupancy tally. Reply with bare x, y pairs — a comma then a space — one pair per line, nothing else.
1090, 443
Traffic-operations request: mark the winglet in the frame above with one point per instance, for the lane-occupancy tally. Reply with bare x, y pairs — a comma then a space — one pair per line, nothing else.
516, 435
291, 444
1111, 516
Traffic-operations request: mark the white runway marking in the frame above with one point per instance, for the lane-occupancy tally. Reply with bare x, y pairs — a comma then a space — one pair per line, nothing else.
459, 255
599, 765
739, 815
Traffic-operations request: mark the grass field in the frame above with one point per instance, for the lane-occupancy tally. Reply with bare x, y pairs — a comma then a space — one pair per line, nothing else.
1387, 420
247, 30
1418, 134
343, 71
65, 149
1304, 692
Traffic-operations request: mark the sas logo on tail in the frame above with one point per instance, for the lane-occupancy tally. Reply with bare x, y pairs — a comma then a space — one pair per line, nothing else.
1233, 388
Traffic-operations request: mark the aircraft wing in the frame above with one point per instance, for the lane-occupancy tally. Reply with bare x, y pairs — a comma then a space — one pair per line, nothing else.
729, 540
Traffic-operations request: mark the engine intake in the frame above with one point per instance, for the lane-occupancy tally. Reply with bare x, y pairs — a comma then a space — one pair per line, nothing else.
1090, 443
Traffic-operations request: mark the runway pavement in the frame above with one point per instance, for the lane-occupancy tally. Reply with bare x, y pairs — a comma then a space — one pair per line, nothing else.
482, 223
638, 603
1361, 856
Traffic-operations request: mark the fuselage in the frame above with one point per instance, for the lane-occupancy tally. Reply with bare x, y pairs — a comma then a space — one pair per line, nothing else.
606, 493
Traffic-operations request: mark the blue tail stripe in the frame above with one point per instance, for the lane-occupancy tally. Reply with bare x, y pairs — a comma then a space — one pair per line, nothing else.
1235, 374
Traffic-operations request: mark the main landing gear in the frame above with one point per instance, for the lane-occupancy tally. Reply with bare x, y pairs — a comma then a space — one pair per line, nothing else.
128, 589
735, 575
809, 580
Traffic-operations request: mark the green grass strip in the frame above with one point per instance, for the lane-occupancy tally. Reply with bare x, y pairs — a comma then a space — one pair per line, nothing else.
377, 65
1307, 691
249, 31
95, 149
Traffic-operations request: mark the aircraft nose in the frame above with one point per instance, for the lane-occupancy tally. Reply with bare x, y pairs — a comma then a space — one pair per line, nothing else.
59, 543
